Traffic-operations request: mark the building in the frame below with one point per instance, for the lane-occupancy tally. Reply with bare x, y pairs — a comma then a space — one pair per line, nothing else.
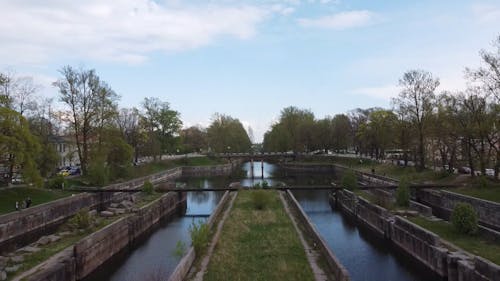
66, 147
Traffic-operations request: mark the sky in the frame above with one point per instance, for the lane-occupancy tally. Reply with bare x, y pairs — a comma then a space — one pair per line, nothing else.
248, 59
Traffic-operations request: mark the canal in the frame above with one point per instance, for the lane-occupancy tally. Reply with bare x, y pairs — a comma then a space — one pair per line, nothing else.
365, 256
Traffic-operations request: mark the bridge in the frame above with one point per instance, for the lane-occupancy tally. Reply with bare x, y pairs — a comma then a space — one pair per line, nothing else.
282, 188
258, 156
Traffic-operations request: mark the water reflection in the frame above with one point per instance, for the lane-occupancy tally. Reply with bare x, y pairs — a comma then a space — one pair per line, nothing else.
365, 256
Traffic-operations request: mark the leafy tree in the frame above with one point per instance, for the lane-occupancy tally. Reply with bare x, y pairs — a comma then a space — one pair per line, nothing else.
129, 123
18, 147
194, 139
416, 103
227, 134
162, 124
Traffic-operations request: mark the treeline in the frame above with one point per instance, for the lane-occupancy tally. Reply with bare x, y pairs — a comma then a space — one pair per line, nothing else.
107, 138
442, 129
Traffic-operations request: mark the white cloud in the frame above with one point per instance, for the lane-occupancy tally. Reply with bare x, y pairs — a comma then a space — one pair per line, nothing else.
486, 13
342, 20
127, 30
384, 92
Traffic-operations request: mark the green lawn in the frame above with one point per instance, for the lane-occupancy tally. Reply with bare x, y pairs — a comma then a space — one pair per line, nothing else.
473, 244
258, 244
489, 193
9, 196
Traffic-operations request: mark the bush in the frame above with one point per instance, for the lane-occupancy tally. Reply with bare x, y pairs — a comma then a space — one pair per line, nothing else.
464, 218
199, 236
260, 199
148, 188
349, 180
403, 193
265, 184
57, 182
98, 172
482, 182
81, 220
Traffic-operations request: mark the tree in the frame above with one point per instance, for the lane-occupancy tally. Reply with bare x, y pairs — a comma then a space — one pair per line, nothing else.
18, 147
488, 74
90, 103
341, 128
129, 123
416, 103
162, 124
227, 134
194, 139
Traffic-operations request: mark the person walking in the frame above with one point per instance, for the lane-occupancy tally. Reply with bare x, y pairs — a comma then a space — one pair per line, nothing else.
17, 205
28, 202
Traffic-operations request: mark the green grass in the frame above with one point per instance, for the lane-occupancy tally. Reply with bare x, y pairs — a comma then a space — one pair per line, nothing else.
47, 251
473, 244
258, 244
488, 193
9, 196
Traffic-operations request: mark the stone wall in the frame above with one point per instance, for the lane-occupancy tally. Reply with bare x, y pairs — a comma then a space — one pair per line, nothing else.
85, 256
337, 268
443, 202
20, 228
441, 257
309, 167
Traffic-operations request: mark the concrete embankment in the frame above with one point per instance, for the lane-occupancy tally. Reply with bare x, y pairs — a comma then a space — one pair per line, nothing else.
18, 229
88, 254
338, 270
424, 246
182, 269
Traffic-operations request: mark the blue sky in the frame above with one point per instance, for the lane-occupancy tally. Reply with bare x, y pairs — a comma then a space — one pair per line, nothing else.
248, 59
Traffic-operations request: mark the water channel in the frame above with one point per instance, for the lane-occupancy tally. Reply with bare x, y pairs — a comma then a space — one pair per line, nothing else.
365, 257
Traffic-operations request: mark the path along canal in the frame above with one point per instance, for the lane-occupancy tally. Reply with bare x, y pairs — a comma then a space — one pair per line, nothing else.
365, 256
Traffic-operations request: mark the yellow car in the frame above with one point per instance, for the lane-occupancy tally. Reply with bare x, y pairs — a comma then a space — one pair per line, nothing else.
63, 173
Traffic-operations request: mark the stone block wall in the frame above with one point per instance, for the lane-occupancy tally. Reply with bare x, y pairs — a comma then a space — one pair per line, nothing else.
443, 202
85, 256
338, 269
20, 228
441, 257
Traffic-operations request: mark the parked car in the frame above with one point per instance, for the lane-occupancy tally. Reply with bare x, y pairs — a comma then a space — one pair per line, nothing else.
490, 172
464, 170
64, 172
17, 179
74, 171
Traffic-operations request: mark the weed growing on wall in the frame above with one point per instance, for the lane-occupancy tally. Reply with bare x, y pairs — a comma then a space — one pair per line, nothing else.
200, 233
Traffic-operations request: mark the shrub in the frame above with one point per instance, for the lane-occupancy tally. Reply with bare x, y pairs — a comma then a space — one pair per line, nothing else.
180, 249
199, 236
148, 188
98, 172
260, 199
464, 218
265, 184
57, 182
349, 180
482, 182
81, 220
403, 193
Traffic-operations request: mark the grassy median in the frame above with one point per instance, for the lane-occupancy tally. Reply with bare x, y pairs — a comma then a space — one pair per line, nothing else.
476, 244
258, 242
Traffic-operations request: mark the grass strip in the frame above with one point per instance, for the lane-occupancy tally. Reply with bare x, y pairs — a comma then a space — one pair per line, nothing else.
476, 244
9, 196
258, 244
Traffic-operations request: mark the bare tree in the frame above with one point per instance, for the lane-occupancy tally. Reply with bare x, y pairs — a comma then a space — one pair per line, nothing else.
88, 99
416, 103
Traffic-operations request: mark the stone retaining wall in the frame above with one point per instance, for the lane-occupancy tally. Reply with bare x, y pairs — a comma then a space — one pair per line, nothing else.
182, 269
85, 256
338, 269
20, 228
440, 256
443, 202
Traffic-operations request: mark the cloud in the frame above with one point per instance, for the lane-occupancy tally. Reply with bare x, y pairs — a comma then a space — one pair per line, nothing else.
126, 31
486, 13
384, 92
340, 21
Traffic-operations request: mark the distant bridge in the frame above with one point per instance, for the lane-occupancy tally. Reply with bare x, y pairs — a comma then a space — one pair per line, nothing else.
312, 187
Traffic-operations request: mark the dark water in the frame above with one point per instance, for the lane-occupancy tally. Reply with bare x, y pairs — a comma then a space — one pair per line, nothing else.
153, 258
365, 256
